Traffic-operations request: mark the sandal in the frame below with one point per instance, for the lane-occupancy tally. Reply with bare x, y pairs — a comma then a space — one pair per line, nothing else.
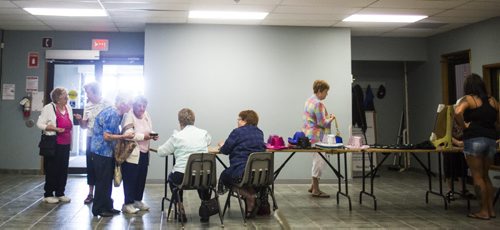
321, 195
89, 199
475, 216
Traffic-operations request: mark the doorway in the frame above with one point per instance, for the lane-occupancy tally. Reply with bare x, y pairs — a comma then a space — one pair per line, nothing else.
114, 75
454, 68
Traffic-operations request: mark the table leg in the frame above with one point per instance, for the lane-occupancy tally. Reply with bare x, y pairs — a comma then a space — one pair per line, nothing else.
339, 177
277, 172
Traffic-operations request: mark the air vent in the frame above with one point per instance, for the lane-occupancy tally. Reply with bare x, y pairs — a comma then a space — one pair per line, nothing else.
424, 25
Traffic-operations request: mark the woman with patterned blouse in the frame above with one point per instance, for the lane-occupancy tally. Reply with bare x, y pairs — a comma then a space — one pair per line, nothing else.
317, 123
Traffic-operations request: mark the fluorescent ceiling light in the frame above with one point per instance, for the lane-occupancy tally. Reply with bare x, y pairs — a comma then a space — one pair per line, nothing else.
67, 12
383, 18
228, 15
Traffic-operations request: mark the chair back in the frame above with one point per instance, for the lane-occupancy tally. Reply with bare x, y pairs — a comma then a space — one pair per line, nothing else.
200, 172
258, 170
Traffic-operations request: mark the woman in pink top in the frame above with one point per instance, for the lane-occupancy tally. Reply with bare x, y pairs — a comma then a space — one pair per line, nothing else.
135, 167
57, 119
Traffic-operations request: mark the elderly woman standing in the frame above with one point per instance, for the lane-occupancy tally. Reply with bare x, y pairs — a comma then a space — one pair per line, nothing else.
190, 139
57, 119
135, 168
94, 106
477, 113
242, 141
317, 122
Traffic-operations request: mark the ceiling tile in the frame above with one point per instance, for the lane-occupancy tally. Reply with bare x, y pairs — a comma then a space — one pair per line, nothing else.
419, 4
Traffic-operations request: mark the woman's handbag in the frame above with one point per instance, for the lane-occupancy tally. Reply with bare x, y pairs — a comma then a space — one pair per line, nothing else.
209, 207
124, 148
47, 145
117, 179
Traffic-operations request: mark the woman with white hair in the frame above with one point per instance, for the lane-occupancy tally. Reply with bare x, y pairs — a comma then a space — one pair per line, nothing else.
57, 119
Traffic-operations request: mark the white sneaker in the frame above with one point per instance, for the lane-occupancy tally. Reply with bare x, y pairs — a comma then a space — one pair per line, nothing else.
64, 199
129, 208
51, 200
141, 205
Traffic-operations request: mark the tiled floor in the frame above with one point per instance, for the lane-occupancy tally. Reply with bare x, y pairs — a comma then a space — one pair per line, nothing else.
401, 205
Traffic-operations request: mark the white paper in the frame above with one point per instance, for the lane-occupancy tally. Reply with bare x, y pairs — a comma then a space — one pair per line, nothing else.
8, 91
37, 101
31, 83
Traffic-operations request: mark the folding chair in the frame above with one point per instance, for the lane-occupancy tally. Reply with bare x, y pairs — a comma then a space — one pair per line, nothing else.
258, 174
200, 173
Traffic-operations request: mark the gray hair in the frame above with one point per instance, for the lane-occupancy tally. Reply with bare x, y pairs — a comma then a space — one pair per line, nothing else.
56, 93
94, 87
186, 117
122, 98
140, 100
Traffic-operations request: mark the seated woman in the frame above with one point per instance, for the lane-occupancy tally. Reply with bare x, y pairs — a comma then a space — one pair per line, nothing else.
182, 144
242, 141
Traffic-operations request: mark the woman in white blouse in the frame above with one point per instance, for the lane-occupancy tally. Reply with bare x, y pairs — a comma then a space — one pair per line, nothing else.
190, 139
57, 119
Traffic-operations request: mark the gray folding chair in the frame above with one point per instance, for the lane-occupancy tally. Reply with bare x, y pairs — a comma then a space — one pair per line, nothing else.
258, 174
200, 173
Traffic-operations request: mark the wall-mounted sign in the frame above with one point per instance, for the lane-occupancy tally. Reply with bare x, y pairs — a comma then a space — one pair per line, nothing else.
100, 44
33, 60
47, 42
31, 83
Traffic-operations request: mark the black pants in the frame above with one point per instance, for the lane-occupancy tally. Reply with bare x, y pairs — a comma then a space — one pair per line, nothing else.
56, 171
103, 168
175, 179
134, 178
90, 164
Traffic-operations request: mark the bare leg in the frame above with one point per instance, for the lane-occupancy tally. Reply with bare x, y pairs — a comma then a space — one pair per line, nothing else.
476, 166
489, 187
91, 190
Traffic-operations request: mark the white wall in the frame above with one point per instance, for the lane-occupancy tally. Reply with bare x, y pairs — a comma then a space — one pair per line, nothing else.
219, 70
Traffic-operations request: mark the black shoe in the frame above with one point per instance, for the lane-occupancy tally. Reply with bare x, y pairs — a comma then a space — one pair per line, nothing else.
105, 214
114, 211
204, 219
450, 196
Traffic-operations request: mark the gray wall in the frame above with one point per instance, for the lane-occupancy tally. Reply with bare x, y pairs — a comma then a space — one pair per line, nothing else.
220, 70
483, 39
19, 143
388, 49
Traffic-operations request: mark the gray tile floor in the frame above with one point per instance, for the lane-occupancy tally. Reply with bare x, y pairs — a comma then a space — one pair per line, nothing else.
401, 205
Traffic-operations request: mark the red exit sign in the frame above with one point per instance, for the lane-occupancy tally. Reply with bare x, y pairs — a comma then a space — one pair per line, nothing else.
100, 44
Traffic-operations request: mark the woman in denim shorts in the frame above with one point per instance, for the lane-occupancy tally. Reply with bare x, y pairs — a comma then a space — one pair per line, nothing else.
477, 113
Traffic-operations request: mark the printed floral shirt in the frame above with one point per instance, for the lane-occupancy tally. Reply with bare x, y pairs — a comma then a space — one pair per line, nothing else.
108, 121
315, 122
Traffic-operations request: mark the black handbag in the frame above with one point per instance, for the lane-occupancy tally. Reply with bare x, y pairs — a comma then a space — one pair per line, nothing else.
209, 207
48, 143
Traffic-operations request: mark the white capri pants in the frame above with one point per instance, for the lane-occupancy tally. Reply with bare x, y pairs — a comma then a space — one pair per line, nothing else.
318, 165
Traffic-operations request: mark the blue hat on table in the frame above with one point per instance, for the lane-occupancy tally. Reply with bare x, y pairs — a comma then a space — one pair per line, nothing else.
296, 137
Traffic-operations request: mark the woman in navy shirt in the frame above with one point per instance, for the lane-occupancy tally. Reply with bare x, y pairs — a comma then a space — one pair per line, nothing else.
242, 141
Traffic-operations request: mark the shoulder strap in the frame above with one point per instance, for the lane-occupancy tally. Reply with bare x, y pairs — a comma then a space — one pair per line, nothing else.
55, 113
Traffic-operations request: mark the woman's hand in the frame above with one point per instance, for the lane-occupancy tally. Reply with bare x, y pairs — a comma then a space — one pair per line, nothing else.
54, 129
77, 116
128, 135
220, 144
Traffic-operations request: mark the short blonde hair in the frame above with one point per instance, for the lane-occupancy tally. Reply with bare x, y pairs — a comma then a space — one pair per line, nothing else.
56, 93
320, 86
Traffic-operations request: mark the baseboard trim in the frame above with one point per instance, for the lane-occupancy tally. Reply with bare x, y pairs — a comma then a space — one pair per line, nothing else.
21, 171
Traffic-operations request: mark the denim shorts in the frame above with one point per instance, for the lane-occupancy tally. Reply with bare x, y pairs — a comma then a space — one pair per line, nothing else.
480, 146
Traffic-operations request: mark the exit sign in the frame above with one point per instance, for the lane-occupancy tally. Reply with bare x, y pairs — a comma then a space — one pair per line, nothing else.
100, 44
